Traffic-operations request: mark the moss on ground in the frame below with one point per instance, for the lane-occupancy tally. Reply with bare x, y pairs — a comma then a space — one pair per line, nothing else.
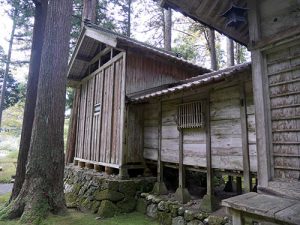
74, 217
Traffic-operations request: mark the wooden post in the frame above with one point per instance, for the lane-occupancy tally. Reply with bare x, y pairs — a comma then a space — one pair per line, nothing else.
182, 195
245, 144
108, 170
160, 187
75, 162
260, 98
208, 202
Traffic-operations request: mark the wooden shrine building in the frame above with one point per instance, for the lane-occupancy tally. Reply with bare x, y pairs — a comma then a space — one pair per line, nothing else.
271, 31
108, 68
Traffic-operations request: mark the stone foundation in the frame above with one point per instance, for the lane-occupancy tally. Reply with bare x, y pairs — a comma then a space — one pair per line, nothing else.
169, 212
106, 195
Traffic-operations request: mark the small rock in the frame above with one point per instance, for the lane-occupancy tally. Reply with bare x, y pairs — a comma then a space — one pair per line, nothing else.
201, 216
188, 215
163, 206
152, 211
144, 195
174, 209
179, 220
149, 197
181, 211
195, 222
156, 200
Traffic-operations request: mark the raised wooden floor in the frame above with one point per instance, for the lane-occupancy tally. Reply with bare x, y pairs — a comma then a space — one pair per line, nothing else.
258, 208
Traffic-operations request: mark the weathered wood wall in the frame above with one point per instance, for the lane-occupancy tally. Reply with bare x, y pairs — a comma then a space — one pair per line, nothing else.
283, 71
144, 72
226, 131
99, 131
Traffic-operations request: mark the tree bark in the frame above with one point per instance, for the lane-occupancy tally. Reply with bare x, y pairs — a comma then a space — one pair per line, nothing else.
167, 29
89, 11
129, 19
230, 52
31, 93
212, 49
7, 64
42, 191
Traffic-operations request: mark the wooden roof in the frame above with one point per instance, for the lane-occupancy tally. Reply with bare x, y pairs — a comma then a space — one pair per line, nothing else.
201, 80
209, 13
91, 39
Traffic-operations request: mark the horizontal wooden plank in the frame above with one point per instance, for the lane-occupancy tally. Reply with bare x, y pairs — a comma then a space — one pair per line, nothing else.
150, 153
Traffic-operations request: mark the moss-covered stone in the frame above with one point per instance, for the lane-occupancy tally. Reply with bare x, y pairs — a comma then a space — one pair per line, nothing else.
113, 196
216, 220
141, 205
112, 185
127, 205
174, 210
209, 203
164, 218
179, 220
128, 188
76, 188
195, 222
95, 206
71, 199
201, 215
107, 209
86, 204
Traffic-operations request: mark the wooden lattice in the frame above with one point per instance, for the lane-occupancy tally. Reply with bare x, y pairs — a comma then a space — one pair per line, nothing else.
190, 115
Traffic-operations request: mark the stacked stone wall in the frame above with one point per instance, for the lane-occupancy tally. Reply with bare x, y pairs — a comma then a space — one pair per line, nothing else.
105, 195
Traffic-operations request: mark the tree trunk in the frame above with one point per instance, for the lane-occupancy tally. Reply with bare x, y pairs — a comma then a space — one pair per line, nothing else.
129, 19
31, 93
230, 52
167, 29
89, 11
7, 65
42, 191
71, 141
212, 49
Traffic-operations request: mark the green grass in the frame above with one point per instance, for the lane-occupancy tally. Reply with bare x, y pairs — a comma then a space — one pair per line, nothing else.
8, 165
74, 217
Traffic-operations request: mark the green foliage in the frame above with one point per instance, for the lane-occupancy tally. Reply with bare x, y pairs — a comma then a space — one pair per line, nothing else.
185, 47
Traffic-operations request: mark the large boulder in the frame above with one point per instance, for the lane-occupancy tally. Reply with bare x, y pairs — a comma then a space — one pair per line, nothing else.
152, 211
128, 188
127, 205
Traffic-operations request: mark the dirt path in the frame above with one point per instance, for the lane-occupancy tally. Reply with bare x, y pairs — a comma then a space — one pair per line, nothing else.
5, 188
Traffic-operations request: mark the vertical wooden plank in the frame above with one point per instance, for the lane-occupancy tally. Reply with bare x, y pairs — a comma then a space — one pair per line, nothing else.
245, 145
112, 112
120, 160
101, 94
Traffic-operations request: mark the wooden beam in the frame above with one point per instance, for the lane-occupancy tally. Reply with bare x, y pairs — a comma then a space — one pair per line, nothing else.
245, 144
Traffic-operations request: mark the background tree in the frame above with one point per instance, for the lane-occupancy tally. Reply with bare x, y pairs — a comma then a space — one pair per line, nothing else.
42, 191
168, 29
31, 94
230, 52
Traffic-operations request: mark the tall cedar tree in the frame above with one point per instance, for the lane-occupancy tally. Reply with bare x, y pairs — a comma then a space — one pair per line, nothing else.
167, 29
42, 191
31, 94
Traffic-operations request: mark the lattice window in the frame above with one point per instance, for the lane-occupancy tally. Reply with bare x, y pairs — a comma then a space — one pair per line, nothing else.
190, 115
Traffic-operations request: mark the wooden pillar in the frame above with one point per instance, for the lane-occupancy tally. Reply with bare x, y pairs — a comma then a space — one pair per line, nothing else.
245, 143
182, 195
108, 170
260, 98
208, 202
160, 187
